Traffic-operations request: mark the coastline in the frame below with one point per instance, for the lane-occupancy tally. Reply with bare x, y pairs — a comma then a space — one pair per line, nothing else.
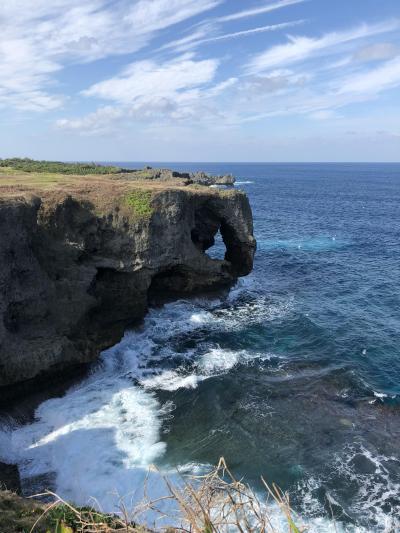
286, 386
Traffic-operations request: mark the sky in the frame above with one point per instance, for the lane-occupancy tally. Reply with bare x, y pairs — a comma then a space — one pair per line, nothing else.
200, 80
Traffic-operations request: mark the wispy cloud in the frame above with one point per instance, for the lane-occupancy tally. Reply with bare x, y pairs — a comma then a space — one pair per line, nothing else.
373, 82
301, 48
259, 10
320, 100
96, 123
147, 90
197, 38
376, 52
39, 38
150, 80
260, 29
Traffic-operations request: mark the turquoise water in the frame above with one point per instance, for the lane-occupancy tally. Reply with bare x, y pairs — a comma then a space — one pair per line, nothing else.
295, 375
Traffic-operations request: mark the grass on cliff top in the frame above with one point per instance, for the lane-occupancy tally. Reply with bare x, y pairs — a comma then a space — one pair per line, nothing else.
131, 198
17, 181
58, 167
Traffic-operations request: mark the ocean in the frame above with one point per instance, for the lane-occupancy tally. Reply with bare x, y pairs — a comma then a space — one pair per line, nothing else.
294, 375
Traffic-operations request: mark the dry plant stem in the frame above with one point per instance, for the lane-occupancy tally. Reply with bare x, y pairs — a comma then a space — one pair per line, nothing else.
213, 503
43, 514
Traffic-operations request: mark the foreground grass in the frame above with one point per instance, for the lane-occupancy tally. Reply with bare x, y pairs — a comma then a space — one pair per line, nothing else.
213, 503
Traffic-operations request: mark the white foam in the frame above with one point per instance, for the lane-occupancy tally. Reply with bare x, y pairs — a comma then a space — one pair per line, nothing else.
218, 360
213, 363
101, 437
169, 380
98, 439
380, 394
373, 504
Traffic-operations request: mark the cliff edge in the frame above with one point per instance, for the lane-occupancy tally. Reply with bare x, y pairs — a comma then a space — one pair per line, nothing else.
79, 257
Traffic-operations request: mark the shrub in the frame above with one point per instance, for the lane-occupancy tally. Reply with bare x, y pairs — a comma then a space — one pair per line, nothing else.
139, 202
30, 165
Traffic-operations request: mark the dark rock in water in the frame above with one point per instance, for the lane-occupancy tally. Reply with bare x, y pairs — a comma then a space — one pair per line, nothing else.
161, 174
9, 478
184, 178
228, 179
77, 263
202, 178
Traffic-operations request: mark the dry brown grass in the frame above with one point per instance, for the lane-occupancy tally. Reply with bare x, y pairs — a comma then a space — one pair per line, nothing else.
213, 503
105, 192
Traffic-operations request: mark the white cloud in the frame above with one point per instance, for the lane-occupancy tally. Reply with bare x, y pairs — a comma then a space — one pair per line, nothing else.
377, 52
260, 29
190, 41
94, 123
197, 38
324, 114
150, 15
275, 81
259, 10
148, 80
175, 90
39, 38
321, 100
373, 82
302, 48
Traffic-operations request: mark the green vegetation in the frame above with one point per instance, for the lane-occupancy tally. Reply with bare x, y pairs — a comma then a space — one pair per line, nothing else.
139, 201
58, 167
25, 515
64, 518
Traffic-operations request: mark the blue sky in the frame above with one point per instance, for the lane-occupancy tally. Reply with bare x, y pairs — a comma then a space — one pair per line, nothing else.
200, 80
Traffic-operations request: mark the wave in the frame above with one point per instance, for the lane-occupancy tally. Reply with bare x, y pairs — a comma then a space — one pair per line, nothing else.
98, 440
369, 477
97, 443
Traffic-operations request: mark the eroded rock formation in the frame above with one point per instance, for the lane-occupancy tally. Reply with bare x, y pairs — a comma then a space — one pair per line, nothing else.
76, 269
186, 178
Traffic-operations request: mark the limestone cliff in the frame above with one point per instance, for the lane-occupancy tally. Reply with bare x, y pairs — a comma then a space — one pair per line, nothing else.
79, 258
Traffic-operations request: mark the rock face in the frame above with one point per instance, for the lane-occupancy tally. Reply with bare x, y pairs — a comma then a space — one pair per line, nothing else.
206, 179
9, 478
199, 178
228, 179
74, 274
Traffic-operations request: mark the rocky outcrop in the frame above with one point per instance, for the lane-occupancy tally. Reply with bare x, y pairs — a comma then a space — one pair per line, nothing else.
202, 178
227, 179
162, 174
77, 264
199, 178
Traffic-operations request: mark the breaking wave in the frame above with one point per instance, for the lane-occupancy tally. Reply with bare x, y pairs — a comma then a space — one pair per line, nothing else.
97, 442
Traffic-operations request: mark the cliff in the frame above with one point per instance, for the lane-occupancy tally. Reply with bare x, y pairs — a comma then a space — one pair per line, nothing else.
80, 257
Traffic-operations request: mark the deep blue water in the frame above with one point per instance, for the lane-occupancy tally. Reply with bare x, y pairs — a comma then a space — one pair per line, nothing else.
328, 236
294, 376
323, 413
